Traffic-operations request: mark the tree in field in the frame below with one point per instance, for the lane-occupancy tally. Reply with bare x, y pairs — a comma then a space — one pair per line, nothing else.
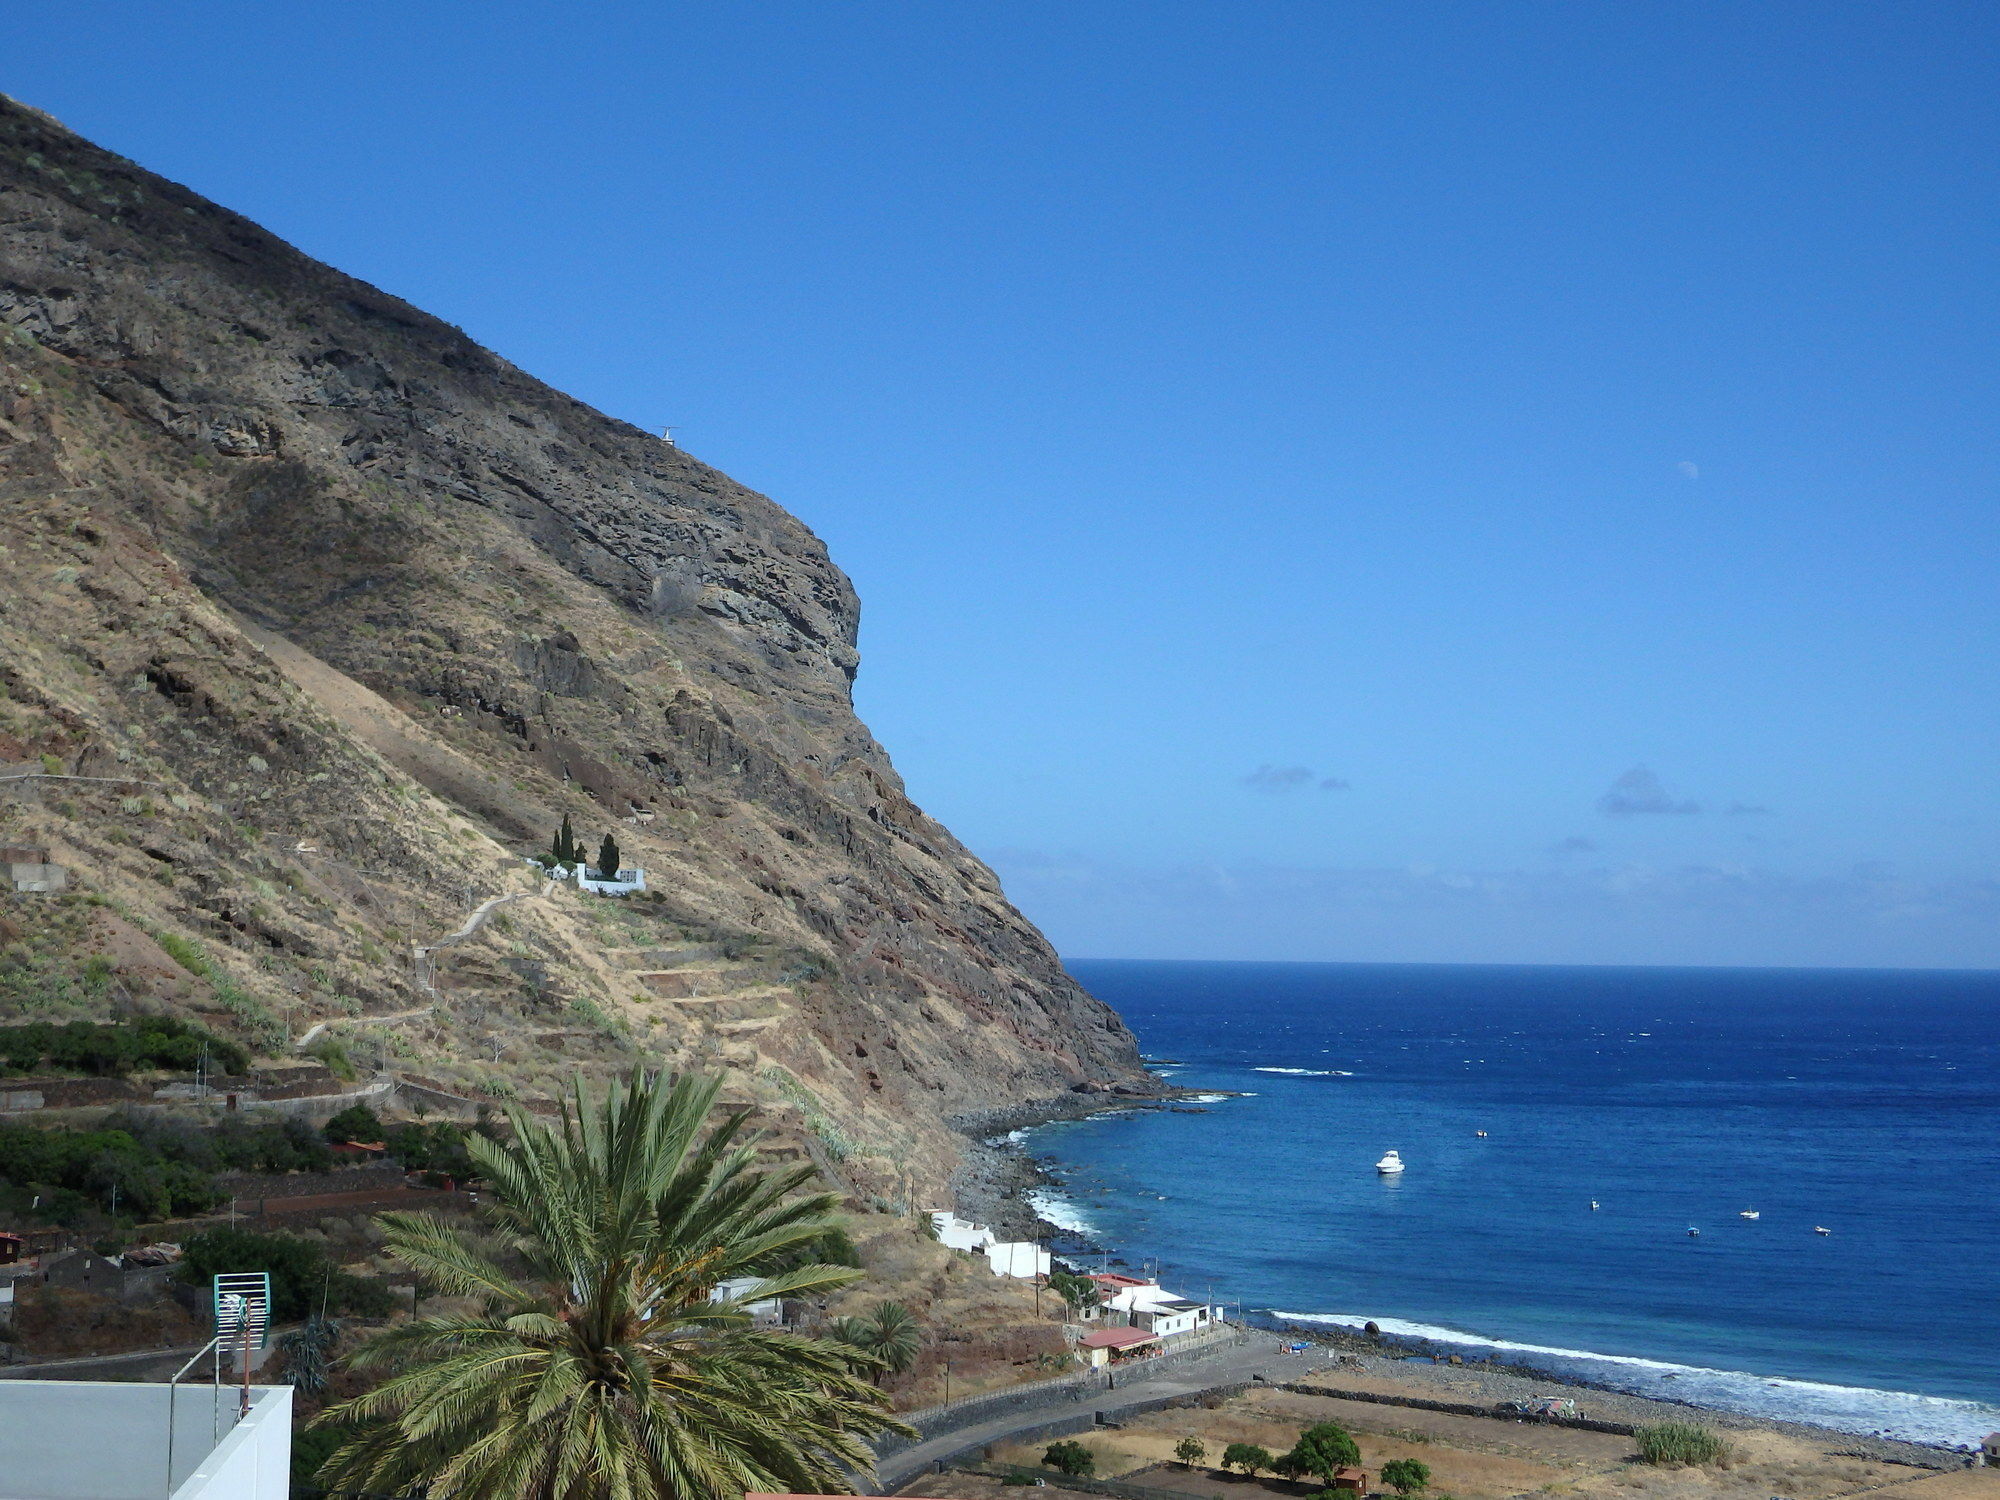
889, 1335
607, 858
1324, 1449
596, 1366
1248, 1457
1406, 1476
1069, 1457
1190, 1450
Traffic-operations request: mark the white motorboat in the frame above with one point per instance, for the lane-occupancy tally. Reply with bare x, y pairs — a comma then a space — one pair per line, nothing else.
1693, 1233
1593, 1205
1391, 1162
1821, 1229
1749, 1213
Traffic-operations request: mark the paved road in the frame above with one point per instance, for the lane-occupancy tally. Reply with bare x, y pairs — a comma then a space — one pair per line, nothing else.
1262, 1354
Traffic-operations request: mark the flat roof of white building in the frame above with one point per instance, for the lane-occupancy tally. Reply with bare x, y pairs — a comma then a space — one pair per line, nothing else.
105, 1440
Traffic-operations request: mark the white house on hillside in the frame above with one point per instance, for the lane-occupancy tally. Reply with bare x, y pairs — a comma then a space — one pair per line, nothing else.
765, 1312
1159, 1311
1017, 1258
955, 1233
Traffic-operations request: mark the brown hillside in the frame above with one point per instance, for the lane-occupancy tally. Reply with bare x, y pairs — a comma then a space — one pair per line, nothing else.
364, 610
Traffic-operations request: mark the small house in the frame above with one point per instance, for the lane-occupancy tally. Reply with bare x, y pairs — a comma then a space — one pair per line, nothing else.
1110, 1346
85, 1271
1351, 1479
1989, 1448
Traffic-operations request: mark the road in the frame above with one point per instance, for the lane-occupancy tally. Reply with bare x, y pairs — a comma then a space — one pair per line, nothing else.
1263, 1354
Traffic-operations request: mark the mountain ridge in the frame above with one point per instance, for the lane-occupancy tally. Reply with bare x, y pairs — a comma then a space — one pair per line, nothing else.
352, 591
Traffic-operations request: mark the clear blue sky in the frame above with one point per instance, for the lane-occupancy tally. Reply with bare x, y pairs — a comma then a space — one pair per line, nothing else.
1325, 480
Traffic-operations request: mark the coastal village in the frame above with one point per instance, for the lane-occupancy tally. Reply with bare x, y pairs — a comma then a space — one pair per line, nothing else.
483, 1018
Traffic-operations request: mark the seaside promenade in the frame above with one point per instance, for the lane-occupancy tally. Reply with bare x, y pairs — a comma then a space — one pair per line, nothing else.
1257, 1353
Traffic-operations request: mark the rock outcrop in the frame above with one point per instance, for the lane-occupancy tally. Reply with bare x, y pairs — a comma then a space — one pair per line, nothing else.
358, 611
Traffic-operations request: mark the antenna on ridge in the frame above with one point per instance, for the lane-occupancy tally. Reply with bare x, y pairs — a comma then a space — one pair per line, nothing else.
667, 436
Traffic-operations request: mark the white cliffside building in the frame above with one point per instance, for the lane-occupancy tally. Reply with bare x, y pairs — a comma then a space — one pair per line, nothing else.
955, 1233
1158, 1311
98, 1440
1020, 1259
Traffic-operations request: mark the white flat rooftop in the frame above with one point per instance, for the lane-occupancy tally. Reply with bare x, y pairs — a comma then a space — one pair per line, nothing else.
104, 1440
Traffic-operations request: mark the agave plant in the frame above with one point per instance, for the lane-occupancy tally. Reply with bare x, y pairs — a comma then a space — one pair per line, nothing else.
604, 1370
309, 1354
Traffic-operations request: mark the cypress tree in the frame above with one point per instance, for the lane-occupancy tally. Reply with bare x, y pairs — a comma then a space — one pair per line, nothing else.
607, 859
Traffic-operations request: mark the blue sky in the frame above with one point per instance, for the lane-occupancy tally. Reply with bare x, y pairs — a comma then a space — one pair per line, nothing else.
1325, 480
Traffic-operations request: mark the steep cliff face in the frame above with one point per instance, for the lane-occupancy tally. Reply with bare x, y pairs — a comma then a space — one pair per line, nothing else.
369, 610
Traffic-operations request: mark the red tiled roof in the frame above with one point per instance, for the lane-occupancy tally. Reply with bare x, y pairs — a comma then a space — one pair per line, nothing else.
1117, 1338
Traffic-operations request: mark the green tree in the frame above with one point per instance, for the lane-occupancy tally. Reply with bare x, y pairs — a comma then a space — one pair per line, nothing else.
564, 846
597, 1367
607, 858
1190, 1450
1069, 1457
302, 1277
1324, 1449
888, 1335
1406, 1475
1079, 1292
1248, 1457
357, 1122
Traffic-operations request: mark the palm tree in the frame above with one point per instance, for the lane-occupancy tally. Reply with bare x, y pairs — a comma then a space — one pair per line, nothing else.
603, 1370
889, 1335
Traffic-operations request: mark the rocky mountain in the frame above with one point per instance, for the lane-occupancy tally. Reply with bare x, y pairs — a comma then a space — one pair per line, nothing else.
315, 617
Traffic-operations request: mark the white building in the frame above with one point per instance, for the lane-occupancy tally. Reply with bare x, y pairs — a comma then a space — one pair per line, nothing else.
765, 1312
1017, 1258
955, 1233
94, 1440
1160, 1312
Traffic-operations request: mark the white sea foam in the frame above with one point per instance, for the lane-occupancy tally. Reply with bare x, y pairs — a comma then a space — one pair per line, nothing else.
1845, 1408
1308, 1072
1207, 1098
1059, 1211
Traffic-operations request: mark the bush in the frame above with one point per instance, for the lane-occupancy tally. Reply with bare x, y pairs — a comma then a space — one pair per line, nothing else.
1190, 1450
186, 954
1406, 1475
114, 1048
357, 1122
1070, 1457
1679, 1443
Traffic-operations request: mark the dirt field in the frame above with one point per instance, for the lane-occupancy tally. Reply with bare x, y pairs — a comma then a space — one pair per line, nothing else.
1479, 1458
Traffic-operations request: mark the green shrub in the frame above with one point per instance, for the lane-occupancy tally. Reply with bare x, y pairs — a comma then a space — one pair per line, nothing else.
357, 1122
1069, 1457
1680, 1443
1190, 1450
187, 954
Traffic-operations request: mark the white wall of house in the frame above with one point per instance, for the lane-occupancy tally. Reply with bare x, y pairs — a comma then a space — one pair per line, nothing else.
99, 1440
1017, 1258
765, 1312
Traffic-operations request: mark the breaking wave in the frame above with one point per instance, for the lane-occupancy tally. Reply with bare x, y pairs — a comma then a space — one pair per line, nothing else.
1308, 1072
1937, 1420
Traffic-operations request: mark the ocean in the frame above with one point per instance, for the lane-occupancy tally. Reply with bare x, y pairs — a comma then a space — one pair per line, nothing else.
1866, 1103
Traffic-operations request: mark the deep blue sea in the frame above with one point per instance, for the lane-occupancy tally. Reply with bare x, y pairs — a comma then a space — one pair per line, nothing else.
1864, 1102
